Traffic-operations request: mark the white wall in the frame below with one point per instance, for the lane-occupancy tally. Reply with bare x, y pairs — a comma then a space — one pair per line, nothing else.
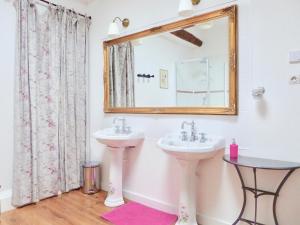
7, 50
268, 128
153, 54
7, 43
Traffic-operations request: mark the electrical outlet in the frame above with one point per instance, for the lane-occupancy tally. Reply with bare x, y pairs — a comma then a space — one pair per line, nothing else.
294, 56
295, 79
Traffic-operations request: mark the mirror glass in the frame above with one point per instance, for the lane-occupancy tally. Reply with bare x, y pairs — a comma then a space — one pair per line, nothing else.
188, 66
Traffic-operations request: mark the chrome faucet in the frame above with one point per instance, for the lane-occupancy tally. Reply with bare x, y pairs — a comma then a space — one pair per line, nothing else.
203, 138
193, 136
123, 129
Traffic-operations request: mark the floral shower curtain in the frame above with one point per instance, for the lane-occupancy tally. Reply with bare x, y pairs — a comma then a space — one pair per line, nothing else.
50, 101
121, 74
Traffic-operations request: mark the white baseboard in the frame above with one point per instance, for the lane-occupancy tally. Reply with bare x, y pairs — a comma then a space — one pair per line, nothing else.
5, 201
151, 202
166, 207
207, 220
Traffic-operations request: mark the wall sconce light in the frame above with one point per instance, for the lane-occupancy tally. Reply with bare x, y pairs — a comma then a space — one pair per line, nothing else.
186, 7
206, 26
113, 30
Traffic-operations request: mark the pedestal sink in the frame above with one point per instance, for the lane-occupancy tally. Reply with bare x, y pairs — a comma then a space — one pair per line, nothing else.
188, 153
117, 140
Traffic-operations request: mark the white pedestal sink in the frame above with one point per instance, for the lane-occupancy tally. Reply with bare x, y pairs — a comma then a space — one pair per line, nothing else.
117, 143
188, 155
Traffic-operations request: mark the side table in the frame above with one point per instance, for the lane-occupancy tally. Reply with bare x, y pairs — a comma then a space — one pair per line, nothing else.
254, 164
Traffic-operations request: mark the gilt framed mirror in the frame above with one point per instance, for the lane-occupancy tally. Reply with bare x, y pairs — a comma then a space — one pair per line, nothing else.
184, 67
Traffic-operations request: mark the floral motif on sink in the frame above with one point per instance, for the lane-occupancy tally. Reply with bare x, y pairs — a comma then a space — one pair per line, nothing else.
183, 215
111, 189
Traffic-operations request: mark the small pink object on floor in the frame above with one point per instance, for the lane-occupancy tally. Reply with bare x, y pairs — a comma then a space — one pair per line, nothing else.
134, 213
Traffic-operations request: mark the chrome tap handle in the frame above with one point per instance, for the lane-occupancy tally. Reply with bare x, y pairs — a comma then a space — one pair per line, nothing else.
115, 120
123, 125
203, 137
128, 129
193, 128
194, 136
184, 136
192, 124
119, 129
182, 124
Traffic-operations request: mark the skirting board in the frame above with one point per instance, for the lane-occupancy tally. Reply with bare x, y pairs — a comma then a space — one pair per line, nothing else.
207, 220
151, 202
163, 206
5, 201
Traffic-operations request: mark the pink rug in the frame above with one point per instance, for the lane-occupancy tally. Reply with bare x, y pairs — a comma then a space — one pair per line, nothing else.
134, 213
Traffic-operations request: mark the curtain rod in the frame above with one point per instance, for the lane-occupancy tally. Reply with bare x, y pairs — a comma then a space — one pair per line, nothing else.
47, 2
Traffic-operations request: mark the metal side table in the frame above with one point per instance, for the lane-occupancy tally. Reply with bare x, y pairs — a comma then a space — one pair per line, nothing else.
259, 163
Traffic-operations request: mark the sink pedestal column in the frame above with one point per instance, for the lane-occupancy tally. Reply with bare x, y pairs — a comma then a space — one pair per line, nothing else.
187, 199
115, 192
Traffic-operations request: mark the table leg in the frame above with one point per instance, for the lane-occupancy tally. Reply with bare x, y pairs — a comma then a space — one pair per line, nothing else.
255, 195
244, 195
277, 194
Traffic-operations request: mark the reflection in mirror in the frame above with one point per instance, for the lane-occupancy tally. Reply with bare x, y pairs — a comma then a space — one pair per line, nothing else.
191, 66
202, 76
121, 75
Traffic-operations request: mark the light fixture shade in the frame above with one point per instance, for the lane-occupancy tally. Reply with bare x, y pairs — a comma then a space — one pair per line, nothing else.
113, 30
206, 26
137, 42
185, 8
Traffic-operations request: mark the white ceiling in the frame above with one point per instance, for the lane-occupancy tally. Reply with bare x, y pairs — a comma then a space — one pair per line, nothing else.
85, 1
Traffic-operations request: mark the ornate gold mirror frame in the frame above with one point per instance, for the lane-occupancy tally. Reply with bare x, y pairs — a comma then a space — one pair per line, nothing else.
231, 12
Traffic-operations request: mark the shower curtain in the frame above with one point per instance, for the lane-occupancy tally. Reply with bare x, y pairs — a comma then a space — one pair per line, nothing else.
51, 86
121, 74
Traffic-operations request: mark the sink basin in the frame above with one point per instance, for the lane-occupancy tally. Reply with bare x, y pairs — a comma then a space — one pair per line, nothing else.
117, 142
188, 155
110, 138
172, 144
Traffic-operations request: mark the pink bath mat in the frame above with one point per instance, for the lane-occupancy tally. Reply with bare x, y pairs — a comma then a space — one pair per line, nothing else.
134, 213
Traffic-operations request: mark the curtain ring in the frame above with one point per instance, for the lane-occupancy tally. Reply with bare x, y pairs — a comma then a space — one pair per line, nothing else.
31, 3
49, 5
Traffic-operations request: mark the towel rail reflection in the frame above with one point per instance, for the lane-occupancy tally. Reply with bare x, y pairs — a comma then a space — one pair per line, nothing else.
199, 92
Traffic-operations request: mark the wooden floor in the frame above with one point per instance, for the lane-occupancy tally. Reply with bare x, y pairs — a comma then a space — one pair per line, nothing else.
72, 208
